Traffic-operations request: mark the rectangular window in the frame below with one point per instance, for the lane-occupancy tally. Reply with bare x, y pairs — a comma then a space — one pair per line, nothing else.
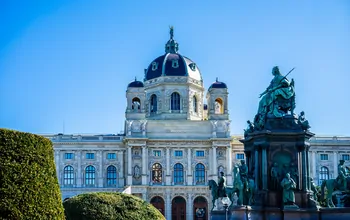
178, 153
111, 156
200, 153
346, 157
324, 156
157, 153
90, 155
69, 156
240, 156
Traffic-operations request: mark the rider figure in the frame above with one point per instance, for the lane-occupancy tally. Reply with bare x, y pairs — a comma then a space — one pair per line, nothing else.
243, 170
222, 185
342, 174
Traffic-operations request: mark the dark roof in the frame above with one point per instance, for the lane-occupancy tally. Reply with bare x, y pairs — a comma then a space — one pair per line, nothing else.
135, 84
218, 85
164, 64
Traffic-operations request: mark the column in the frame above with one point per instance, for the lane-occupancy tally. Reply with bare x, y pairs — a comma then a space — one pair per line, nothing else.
256, 168
121, 171
190, 176
335, 164
168, 205
168, 176
215, 166
144, 165
79, 175
129, 180
303, 170
264, 168
100, 180
314, 174
189, 207
308, 169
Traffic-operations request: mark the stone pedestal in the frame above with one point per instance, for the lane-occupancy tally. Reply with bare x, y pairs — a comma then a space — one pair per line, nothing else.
284, 146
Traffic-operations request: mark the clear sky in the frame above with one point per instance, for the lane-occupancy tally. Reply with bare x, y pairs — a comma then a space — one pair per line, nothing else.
69, 62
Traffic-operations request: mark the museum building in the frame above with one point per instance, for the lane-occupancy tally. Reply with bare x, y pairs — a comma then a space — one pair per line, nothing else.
172, 143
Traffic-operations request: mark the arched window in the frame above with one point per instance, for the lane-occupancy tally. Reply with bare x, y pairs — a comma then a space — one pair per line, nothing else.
68, 175
111, 176
90, 175
324, 174
136, 104
219, 106
157, 173
153, 104
194, 104
200, 174
175, 101
178, 174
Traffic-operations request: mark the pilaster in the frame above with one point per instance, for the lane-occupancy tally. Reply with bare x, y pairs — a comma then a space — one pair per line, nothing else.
100, 179
189, 168
129, 180
144, 165
335, 164
79, 175
168, 176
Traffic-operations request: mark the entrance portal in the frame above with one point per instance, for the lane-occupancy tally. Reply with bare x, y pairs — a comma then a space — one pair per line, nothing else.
200, 208
178, 208
158, 202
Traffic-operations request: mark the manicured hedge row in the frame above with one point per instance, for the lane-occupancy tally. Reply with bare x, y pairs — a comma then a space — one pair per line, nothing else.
28, 183
109, 206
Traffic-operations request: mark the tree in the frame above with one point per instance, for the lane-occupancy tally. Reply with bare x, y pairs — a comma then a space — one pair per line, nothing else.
109, 206
29, 187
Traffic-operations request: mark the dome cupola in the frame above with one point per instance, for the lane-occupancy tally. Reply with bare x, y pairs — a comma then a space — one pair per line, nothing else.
172, 63
135, 84
218, 85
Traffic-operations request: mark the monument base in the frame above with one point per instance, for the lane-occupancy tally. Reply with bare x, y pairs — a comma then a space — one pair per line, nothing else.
258, 213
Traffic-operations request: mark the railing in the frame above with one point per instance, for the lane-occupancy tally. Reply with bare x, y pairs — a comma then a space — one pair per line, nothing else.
84, 138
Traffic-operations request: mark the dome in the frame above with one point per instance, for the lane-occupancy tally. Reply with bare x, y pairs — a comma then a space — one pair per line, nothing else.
218, 85
172, 63
135, 84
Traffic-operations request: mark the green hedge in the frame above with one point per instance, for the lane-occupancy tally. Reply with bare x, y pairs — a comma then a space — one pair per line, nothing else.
109, 206
28, 183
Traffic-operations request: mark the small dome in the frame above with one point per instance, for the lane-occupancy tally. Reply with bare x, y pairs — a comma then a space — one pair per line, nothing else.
218, 85
135, 84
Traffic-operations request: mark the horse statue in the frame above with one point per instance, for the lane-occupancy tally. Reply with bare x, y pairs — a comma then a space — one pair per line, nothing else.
332, 185
244, 191
213, 186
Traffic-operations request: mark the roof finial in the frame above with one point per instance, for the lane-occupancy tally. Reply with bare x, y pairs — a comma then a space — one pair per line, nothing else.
217, 79
135, 79
171, 32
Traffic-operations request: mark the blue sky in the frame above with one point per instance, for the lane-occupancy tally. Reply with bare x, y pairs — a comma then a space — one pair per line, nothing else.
70, 61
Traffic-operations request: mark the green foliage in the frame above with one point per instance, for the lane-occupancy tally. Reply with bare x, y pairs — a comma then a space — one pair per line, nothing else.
29, 187
109, 206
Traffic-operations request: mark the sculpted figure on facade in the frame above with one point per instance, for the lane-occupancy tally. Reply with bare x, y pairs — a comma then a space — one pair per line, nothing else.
274, 177
288, 186
137, 173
